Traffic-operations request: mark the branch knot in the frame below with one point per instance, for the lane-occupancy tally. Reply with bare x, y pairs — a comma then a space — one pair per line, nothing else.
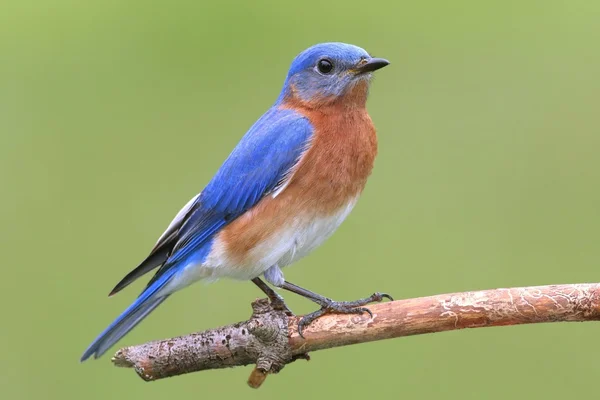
270, 330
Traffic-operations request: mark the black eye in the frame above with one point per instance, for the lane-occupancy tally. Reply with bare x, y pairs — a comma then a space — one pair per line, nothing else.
324, 66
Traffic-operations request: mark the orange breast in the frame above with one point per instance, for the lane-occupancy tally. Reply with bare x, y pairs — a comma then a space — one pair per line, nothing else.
331, 173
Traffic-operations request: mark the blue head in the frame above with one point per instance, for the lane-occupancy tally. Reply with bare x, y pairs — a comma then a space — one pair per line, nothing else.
326, 72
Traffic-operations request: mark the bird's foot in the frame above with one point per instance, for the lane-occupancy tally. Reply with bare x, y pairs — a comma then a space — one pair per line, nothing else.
275, 299
342, 307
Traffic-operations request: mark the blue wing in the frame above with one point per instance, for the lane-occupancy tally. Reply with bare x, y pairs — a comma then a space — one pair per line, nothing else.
256, 166
260, 161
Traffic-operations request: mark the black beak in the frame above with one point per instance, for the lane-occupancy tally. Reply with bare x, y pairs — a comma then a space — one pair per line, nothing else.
371, 65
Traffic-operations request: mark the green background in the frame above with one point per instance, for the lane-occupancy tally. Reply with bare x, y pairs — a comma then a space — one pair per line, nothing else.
114, 113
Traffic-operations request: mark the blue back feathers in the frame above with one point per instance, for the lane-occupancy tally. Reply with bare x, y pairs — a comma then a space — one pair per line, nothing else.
270, 148
258, 163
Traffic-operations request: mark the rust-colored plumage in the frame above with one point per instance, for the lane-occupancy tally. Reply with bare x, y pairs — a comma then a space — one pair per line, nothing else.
331, 173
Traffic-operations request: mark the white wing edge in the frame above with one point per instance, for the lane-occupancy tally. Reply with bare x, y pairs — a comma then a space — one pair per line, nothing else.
178, 218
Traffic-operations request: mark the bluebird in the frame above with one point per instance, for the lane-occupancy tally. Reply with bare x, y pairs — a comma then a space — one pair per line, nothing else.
286, 187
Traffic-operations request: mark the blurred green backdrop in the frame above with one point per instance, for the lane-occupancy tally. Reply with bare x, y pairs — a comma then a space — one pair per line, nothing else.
114, 113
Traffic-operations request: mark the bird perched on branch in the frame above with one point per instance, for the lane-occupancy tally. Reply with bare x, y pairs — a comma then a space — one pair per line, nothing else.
285, 188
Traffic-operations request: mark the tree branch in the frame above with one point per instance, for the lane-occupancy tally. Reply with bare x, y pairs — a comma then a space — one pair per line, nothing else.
270, 340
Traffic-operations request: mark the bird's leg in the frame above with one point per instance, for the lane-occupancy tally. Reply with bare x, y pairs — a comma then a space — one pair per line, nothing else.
276, 300
330, 306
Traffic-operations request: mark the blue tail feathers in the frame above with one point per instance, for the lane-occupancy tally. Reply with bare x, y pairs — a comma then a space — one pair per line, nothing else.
133, 315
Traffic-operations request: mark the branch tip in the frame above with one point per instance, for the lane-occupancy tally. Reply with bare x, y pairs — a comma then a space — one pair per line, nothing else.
257, 377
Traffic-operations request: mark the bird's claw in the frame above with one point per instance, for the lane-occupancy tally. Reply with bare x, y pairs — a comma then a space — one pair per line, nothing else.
385, 296
342, 307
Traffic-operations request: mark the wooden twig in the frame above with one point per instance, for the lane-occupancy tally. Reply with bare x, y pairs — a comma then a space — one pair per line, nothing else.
270, 340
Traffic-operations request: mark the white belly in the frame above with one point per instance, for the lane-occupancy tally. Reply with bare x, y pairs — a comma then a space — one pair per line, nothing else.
287, 245
294, 242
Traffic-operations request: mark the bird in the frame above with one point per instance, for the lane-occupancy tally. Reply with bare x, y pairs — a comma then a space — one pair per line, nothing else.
286, 187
